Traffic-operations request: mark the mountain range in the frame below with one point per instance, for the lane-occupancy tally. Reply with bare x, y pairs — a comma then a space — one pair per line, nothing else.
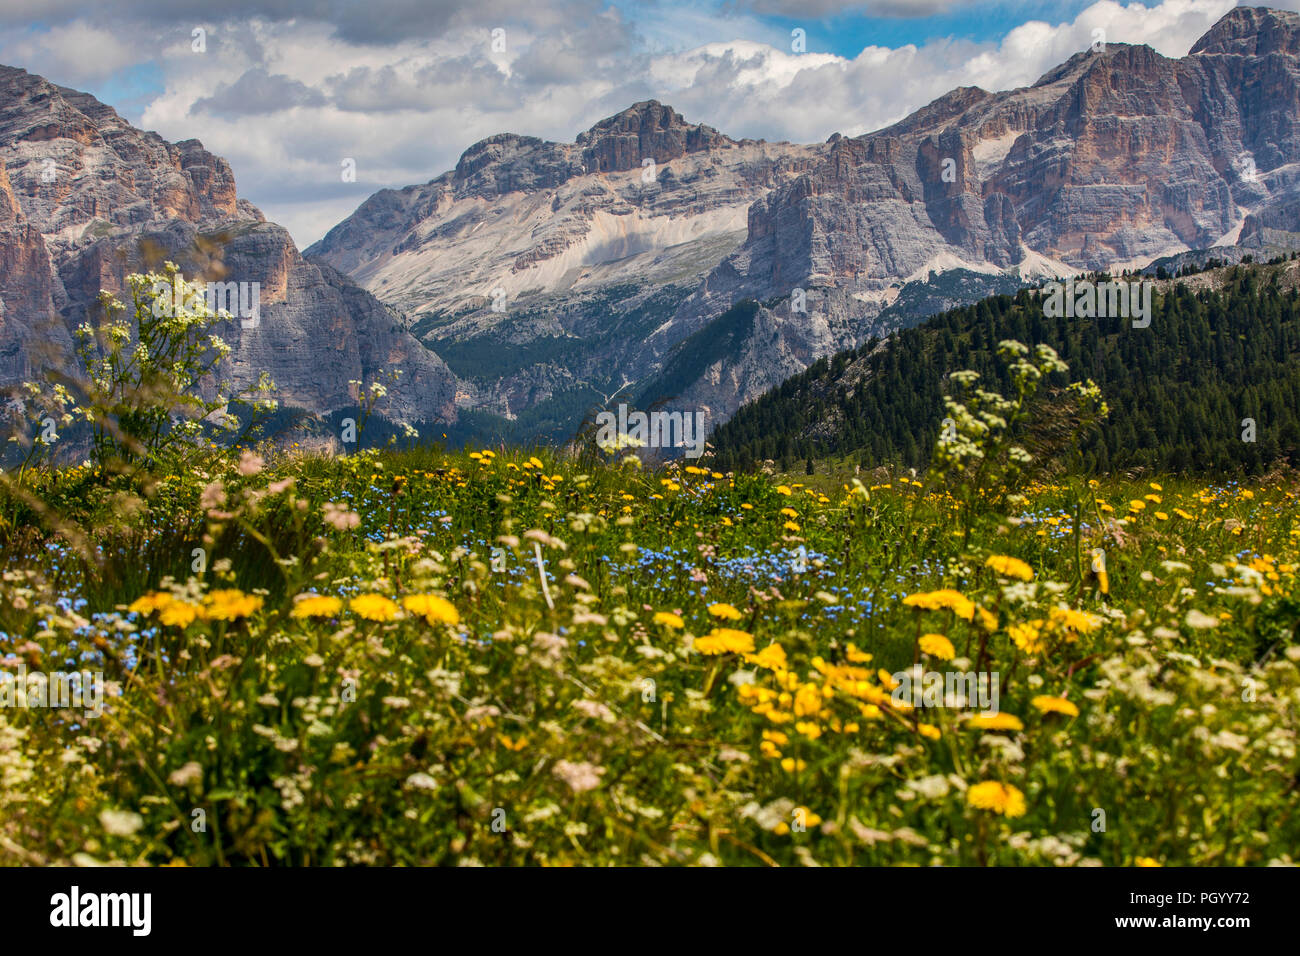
657, 259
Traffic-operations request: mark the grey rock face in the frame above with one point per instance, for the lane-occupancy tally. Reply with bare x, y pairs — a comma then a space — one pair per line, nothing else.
584, 249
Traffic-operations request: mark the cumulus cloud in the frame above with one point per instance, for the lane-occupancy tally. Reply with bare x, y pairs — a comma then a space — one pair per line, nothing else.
455, 82
257, 91
77, 51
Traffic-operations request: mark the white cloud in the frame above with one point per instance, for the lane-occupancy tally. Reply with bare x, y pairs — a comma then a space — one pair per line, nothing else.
76, 52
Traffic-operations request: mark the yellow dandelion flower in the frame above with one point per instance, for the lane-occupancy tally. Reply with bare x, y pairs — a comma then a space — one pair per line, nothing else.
1009, 567
725, 611
669, 619
230, 604
1080, 622
772, 657
1027, 637
995, 722
1055, 705
316, 605
151, 602
936, 645
1001, 798
1146, 861
856, 656
178, 614
375, 607
808, 701
928, 731
808, 818
724, 640
808, 729
945, 599
434, 609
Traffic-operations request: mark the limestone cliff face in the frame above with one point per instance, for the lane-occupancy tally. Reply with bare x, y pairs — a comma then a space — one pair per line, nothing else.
32, 335
86, 199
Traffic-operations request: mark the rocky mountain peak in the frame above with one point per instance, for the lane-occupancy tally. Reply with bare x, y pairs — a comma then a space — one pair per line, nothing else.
1121, 55
647, 130
494, 149
941, 111
60, 140
1252, 31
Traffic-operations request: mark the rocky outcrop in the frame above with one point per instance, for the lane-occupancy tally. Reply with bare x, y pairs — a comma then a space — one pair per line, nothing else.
542, 270
88, 199
644, 131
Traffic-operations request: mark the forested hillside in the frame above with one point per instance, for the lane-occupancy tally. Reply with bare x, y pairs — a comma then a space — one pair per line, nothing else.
1222, 347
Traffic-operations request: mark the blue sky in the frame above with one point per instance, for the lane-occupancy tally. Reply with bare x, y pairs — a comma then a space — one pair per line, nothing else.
848, 33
